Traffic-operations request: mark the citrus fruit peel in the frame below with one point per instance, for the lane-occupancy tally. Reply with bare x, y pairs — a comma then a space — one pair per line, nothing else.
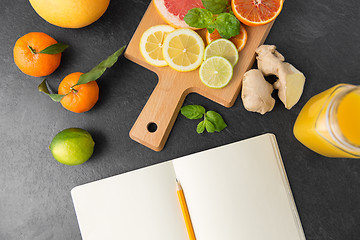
223, 48
151, 44
256, 12
85, 78
216, 72
183, 50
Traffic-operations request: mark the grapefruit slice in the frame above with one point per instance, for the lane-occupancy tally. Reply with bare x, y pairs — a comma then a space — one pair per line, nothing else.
238, 40
256, 12
174, 11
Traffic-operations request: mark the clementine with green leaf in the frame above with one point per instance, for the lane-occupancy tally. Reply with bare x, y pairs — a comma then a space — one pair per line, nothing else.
79, 98
37, 54
79, 92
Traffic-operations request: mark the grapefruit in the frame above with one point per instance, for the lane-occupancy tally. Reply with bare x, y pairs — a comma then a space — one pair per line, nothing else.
174, 11
70, 13
256, 12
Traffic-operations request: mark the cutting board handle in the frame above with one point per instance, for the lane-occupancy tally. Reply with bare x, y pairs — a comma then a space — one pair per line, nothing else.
157, 118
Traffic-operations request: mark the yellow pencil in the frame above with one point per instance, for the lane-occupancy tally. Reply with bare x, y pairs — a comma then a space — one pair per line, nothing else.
185, 211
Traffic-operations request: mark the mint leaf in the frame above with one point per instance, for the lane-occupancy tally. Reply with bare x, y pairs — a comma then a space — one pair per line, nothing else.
227, 25
216, 6
55, 48
97, 71
201, 127
209, 126
43, 88
211, 28
193, 111
216, 119
198, 18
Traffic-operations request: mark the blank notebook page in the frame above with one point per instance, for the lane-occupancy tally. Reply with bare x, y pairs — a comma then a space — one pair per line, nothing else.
141, 204
239, 191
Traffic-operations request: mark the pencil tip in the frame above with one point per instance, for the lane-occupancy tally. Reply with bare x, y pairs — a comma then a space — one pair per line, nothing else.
177, 180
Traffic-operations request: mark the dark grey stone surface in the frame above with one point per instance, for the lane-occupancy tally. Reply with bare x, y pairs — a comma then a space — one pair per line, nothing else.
320, 37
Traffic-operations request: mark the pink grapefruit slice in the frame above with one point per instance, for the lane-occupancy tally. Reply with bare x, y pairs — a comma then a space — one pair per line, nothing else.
174, 11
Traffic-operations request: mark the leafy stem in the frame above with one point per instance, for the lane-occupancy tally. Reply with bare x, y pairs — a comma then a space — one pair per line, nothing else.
33, 51
92, 75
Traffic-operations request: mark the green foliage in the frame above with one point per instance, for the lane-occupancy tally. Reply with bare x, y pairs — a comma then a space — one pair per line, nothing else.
213, 121
225, 22
55, 49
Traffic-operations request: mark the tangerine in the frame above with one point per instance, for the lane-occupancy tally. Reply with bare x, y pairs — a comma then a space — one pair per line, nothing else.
80, 98
29, 60
256, 12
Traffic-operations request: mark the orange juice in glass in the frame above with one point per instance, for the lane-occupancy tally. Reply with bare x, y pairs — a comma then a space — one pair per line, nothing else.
329, 123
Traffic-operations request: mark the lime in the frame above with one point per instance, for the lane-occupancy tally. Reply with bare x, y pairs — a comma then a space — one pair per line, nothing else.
216, 72
222, 48
72, 146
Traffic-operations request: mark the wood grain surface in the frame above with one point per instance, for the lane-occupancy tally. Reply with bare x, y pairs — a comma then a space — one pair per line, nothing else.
168, 96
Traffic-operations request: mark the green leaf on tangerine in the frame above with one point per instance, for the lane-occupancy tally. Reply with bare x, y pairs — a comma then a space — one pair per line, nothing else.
55, 48
55, 97
97, 71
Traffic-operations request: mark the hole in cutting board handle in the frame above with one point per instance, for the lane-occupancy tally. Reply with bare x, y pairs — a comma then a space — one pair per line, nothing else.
152, 127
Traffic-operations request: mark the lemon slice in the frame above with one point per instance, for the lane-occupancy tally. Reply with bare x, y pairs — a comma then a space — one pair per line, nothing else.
151, 44
183, 50
216, 72
223, 48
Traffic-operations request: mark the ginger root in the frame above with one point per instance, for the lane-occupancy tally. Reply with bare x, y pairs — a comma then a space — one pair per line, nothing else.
290, 81
256, 92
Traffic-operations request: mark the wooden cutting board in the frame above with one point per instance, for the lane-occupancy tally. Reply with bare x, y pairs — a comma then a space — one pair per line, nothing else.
157, 118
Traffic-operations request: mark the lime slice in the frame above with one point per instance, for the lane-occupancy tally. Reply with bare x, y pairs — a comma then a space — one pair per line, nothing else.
222, 48
216, 72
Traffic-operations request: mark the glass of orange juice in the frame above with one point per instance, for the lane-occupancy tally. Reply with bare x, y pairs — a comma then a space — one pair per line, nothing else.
329, 123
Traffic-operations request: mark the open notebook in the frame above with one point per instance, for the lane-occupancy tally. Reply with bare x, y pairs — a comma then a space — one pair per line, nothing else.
238, 191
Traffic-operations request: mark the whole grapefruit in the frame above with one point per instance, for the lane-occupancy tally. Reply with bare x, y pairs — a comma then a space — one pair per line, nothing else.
70, 13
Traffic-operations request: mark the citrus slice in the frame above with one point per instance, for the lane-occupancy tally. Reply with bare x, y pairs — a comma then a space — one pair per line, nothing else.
223, 48
183, 50
238, 40
256, 12
216, 72
151, 44
174, 11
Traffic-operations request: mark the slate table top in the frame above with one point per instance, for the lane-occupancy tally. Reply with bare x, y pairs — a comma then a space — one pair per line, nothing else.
320, 37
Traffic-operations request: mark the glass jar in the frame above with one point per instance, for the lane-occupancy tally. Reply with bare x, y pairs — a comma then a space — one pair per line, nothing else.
329, 123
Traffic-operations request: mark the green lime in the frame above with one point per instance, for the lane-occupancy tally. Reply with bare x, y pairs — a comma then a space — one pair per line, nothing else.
222, 48
72, 146
216, 72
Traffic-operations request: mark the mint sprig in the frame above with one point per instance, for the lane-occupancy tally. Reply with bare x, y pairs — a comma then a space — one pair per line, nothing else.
213, 121
214, 16
216, 6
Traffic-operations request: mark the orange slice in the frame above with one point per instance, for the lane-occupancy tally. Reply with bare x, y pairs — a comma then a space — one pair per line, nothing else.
256, 12
238, 40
